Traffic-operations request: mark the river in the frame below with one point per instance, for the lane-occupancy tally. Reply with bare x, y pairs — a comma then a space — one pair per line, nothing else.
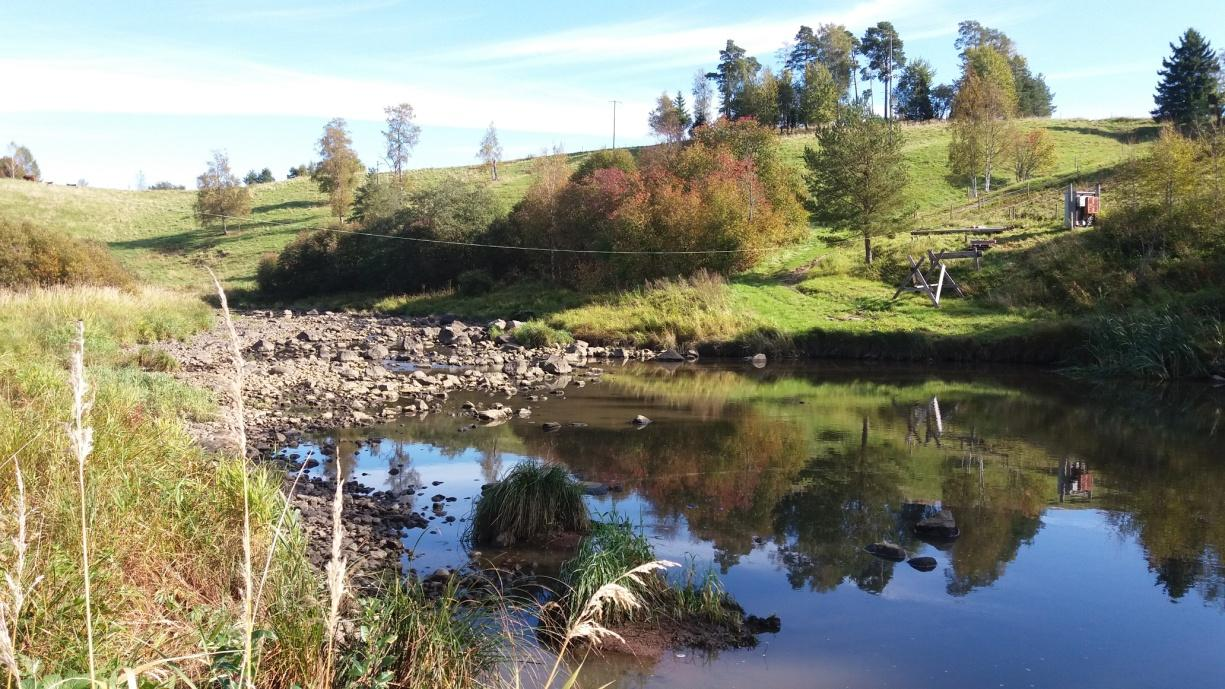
1091, 516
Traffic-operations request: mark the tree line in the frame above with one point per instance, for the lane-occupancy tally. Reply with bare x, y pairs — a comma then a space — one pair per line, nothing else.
824, 67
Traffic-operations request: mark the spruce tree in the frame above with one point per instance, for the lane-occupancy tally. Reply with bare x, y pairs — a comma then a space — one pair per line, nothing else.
1189, 92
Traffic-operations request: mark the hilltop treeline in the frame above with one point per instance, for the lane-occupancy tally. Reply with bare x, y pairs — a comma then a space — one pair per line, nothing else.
823, 67
725, 193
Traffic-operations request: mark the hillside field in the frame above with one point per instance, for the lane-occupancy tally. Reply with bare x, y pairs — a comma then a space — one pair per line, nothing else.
818, 285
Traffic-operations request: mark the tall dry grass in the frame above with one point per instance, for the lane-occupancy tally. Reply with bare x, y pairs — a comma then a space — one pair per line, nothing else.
81, 438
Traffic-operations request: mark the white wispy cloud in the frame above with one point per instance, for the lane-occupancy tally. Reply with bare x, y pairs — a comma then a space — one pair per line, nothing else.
1101, 71
293, 11
668, 36
124, 85
520, 83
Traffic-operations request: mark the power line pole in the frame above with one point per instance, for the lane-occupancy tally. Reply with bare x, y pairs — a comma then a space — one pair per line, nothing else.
615, 103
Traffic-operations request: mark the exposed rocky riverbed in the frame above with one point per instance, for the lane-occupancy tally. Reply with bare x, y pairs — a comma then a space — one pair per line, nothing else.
311, 372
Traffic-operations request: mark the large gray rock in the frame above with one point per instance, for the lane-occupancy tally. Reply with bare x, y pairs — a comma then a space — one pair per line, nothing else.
556, 365
887, 551
452, 333
940, 525
670, 355
377, 352
493, 414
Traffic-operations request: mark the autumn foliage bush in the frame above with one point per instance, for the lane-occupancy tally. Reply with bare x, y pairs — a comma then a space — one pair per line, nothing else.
31, 256
724, 197
725, 190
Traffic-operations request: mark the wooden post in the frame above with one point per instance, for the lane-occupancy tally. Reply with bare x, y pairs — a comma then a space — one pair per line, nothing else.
1069, 204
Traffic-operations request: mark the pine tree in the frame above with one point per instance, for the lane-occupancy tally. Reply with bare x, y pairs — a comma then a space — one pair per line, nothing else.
1189, 93
883, 49
736, 70
683, 108
913, 95
857, 176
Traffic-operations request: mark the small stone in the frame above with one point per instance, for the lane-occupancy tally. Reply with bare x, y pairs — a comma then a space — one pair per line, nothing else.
923, 564
640, 420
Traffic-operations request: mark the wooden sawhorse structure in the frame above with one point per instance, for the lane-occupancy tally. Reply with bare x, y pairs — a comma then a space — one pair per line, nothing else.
919, 282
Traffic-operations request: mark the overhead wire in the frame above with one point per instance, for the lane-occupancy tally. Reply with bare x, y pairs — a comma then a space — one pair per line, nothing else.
542, 249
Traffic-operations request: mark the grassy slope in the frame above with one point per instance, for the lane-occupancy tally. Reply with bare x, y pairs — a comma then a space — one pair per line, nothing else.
156, 236
815, 286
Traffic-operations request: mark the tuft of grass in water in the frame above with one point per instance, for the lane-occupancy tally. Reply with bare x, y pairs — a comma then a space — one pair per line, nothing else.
406, 640
1163, 344
702, 597
539, 334
532, 501
614, 548
611, 549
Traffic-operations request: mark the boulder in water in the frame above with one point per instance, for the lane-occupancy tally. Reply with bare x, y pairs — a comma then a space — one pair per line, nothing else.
940, 525
887, 551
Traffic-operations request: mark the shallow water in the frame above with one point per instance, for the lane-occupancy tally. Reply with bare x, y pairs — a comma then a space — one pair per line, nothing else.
1092, 517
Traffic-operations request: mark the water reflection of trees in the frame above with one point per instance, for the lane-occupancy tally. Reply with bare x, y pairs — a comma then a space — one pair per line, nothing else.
823, 467
724, 475
996, 469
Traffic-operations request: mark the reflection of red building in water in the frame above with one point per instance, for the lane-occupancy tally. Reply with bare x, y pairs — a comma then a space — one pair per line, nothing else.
1075, 480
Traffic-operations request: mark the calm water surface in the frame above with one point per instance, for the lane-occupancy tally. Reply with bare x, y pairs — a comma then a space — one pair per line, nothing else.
1092, 517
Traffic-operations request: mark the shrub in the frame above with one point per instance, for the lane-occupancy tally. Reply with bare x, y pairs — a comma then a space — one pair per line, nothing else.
31, 256
726, 190
473, 283
617, 158
537, 334
323, 262
533, 502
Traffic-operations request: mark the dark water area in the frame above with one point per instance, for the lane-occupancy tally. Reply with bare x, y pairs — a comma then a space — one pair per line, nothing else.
1091, 516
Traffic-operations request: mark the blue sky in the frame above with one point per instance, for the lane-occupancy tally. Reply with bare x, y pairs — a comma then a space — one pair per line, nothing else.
101, 90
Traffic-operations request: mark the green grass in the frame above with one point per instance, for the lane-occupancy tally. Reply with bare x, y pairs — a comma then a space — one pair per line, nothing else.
817, 288
614, 548
533, 502
165, 546
408, 640
537, 334
155, 235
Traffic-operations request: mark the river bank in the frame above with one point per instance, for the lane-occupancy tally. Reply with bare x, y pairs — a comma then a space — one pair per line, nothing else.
310, 372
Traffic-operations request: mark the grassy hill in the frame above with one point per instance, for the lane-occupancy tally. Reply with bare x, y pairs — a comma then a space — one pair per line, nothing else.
817, 286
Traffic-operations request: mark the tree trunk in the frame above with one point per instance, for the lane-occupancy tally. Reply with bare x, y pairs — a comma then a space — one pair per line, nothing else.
987, 178
494, 167
867, 249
